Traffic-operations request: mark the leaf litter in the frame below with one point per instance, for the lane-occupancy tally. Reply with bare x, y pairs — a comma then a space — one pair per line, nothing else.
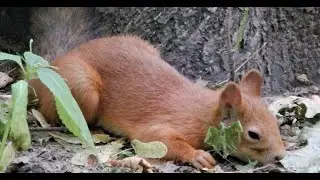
294, 125
299, 119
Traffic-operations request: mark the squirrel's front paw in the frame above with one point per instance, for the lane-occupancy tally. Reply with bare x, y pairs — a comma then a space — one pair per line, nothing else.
202, 159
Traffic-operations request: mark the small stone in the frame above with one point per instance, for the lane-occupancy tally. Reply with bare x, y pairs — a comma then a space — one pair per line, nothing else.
212, 9
303, 78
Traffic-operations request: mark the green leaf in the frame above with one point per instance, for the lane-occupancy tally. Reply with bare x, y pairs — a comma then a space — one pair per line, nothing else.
153, 149
34, 60
19, 133
7, 157
224, 138
2, 128
240, 32
4, 112
67, 107
4, 116
16, 58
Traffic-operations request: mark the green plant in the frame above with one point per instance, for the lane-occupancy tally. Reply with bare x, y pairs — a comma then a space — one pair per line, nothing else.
13, 122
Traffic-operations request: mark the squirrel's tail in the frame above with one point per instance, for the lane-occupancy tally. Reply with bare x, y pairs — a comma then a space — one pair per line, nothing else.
56, 30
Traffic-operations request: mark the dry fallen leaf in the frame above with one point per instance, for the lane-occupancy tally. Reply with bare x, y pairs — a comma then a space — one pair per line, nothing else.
5, 97
46, 139
135, 163
101, 138
305, 159
92, 160
303, 106
215, 169
105, 153
4, 79
40, 118
165, 167
66, 137
69, 138
21, 159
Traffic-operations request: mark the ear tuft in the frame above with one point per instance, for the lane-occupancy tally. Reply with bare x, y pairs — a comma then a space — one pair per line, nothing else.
231, 95
251, 83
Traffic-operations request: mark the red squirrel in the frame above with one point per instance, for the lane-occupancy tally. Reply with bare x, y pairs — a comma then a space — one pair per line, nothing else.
123, 85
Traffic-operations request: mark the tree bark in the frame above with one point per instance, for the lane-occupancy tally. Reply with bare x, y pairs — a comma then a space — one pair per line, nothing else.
194, 41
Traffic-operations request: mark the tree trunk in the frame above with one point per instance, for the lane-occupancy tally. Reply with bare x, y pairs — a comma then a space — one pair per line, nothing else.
194, 40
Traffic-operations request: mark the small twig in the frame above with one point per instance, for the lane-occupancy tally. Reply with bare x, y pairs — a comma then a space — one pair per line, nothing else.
250, 171
60, 129
116, 154
30, 44
239, 67
255, 53
11, 70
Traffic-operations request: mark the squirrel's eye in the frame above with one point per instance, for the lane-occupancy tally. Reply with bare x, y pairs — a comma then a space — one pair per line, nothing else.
253, 135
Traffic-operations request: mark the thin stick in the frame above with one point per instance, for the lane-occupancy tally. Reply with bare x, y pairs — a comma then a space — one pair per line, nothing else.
241, 65
256, 169
11, 71
255, 53
60, 129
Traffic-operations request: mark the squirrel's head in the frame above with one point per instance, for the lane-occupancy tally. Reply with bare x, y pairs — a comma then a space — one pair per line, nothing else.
261, 140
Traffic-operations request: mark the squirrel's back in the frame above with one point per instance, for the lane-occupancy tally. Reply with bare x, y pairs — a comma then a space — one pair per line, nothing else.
128, 82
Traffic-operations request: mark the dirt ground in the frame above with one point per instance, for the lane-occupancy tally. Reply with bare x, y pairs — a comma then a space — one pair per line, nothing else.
48, 156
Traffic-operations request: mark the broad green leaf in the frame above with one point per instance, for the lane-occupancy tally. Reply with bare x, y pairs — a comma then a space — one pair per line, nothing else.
16, 58
214, 138
67, 107
233, 135
224, 138
19, 133
153, 149
33, 59
7, 157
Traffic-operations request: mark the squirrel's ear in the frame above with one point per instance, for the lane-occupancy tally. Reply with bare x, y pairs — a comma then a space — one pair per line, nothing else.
251, 83
231, 95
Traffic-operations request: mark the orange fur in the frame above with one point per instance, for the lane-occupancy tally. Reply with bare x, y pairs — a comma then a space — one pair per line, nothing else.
123, 85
